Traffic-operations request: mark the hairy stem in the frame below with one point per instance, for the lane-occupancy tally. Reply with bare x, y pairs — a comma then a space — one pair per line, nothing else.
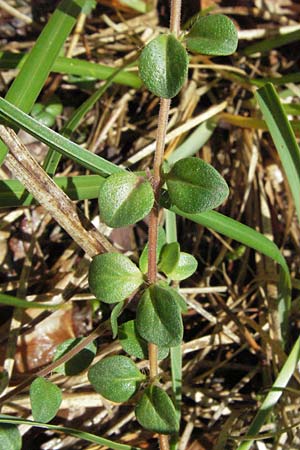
156, 184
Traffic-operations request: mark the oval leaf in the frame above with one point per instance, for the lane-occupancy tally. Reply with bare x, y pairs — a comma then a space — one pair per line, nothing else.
163, 66
133, 344
124, 199
195, 186
10, 437
81, 361
116, 378
113, 277
169, 257
45, 399
185, 267
158, 317
213, 35
155, 411
161, 240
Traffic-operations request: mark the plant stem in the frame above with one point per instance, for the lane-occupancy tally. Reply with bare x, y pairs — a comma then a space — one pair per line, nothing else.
156, 184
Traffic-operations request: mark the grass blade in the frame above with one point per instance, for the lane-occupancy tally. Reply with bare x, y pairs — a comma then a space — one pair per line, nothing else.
283, 138
89, 437
272, 42
23, 92
74, 66
253, 239
273, 396
59, 143
19, 303
81, 187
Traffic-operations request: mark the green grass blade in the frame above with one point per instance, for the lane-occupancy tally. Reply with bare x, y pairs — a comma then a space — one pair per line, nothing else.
273, 396
74, 66
253, 239
89, 437
194, 142
19, 303
29, 82
53, 157
175, 352
59, 143
138, 5
81, 187
283, 138
272, 42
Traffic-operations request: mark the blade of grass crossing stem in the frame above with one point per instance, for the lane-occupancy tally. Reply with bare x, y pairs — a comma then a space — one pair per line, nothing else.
273, 396
283, 138
53, 157
30, 80
74, 66
89, 160
247, 236
19, 303
89, 437
175, 352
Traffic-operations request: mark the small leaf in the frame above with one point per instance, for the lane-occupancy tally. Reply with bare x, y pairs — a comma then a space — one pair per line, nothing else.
113, 277
161, 240
124, 199
45, 399
155, 411
114, 318
195, 186
158, 317
81, 361
116, 378
169, 257
163, 66
185, 267
213, 35
133, 344
10, 437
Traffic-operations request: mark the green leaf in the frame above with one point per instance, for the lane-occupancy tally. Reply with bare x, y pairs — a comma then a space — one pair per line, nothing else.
124, 199
175, 294
161, 240
283, 137
185, 267
158, 317
163, 66
81, 361
114, 318
47, 113
213, 35
45, 399
195, 186
133, 344
155, 411
116, 378
169, 257
10, 437
113, 277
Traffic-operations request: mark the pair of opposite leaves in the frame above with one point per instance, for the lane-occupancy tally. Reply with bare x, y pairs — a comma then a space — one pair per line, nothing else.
193, 187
